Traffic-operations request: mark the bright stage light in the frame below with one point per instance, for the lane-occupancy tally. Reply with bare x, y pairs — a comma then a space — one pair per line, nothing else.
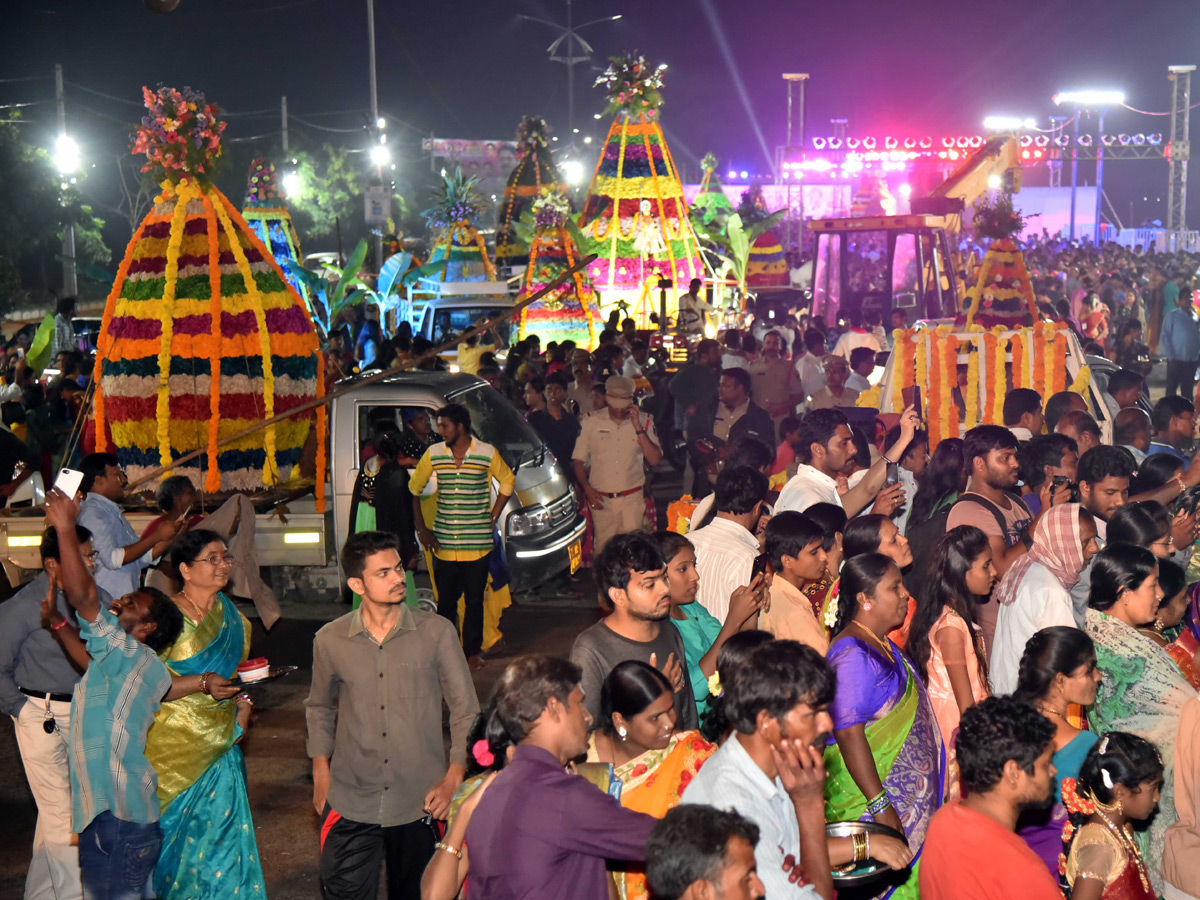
906, 190
994, 182
380, 155
1090, 98
744, 174
293, 185
572, 171
66, 154
1007, 123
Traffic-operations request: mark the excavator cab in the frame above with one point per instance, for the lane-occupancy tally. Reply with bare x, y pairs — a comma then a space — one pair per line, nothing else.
885, 262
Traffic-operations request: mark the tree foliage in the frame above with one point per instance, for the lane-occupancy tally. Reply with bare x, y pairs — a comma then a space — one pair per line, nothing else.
36, 208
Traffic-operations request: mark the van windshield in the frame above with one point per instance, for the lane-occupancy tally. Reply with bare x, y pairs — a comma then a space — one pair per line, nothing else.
449, 322
495, 421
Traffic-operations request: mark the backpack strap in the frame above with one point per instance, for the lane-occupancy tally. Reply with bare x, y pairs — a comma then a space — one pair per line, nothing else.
998, 513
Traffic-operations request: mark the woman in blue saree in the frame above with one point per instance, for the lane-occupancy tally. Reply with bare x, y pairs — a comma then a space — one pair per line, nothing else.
886, 762
209, 849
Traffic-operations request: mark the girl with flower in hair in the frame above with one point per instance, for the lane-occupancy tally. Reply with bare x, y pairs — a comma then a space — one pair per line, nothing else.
652, 762
1119, 783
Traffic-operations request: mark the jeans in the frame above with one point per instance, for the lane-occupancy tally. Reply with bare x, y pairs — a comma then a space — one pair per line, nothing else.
1181, 377
117, 858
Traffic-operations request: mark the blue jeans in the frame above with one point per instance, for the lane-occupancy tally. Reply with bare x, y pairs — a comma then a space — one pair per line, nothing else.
117, 858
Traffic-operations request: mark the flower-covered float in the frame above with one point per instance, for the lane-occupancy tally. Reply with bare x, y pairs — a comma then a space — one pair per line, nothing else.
534, 172
202, 337
266, 212
454, 218
966, 367
570, 312
635, 217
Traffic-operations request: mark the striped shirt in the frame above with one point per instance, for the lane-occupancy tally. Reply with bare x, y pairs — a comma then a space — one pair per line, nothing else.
463, 523
113, 707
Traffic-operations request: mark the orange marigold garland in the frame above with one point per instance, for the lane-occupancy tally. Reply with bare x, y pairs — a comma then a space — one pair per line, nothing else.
950, 424
1000, 367
991, 345
1018, 361
930, 370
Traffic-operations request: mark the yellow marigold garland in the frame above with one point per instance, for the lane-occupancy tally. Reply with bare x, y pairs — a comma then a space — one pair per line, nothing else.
933, 421
1000, 387
1039, 359
902, 374
870, 398
270, 472
1018, 361
971, 398
184, 191
991, 343
212, 478
949, 383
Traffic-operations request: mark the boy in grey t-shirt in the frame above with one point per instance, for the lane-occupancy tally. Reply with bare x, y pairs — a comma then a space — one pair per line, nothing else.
631, 576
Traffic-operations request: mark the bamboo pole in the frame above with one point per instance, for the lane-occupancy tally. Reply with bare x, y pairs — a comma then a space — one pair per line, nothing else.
372, 379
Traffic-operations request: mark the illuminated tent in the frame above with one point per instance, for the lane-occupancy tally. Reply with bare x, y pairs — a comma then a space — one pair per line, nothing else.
635, 217
570, 312
202, 337
534, 171
266, 212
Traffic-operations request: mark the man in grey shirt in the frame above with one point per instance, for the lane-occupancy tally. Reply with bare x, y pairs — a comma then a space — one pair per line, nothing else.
632, 578
36, 682
380, 676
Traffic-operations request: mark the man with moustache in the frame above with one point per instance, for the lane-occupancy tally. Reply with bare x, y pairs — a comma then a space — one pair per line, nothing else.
631, 576
380, 676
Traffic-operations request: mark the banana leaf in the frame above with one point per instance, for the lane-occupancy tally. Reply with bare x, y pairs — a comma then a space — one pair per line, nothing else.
762, 226
391, 270
423, 272
38, 356
349, 274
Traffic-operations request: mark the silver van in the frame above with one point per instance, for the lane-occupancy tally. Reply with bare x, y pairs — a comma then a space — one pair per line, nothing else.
541, 527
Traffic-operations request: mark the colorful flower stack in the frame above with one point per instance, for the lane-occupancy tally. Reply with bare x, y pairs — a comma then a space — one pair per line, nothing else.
711, 203
1003, 295
202, 337
534, 171
570, 312
635, 216
454, 218
266, 212
766, 265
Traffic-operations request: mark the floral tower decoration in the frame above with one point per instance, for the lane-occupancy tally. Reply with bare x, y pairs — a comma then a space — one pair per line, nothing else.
266, 212
534, 171
710, 205
1003, 295
569, 313
766, 266
454, 220
202, 337
635, 217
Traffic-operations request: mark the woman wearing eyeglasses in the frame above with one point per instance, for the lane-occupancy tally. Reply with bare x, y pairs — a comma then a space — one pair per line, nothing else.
193, 742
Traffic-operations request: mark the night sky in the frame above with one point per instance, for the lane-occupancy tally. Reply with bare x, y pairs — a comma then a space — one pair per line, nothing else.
471, 69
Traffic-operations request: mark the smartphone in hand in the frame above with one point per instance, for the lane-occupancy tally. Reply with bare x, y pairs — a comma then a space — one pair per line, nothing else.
68, 482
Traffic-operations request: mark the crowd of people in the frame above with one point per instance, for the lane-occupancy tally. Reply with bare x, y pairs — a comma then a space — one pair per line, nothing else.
985, 655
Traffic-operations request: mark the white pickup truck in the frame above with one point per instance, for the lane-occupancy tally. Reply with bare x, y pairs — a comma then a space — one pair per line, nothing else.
297, 547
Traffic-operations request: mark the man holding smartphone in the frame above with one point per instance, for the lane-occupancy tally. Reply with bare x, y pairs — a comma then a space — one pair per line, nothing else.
122, 554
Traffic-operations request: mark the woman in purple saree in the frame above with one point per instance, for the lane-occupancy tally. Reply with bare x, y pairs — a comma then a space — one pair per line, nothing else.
887, 763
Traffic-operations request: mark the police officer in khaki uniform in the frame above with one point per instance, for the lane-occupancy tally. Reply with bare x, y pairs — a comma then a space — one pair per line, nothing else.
610, 452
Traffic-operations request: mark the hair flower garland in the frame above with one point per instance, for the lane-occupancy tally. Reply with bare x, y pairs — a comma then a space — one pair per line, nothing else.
714, 684
831, 608
1074, 801
180, 135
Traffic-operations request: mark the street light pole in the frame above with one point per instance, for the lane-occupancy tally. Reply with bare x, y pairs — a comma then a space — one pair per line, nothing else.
70, 278
1074, 172
1099, 180
374, 116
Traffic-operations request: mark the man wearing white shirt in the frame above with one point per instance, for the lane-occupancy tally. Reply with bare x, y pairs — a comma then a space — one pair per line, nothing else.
726, 546
808, 362
778, 705
825, 448
857, 336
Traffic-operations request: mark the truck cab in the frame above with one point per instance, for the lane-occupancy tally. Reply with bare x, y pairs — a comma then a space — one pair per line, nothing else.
440, 310
541, 527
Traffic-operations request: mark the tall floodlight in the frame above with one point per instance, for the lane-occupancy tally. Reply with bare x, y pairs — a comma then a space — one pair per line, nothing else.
1099, 101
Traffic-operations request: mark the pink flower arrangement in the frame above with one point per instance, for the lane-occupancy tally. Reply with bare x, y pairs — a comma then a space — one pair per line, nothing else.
180, 135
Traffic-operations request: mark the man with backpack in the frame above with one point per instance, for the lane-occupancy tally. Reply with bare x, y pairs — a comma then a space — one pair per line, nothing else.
993, 504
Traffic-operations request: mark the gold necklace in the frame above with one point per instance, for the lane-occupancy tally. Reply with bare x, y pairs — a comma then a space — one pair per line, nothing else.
1126, 841
195, 606
883, 648
1046, 710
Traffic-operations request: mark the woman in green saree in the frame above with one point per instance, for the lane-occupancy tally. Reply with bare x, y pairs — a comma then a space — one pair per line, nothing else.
209, 850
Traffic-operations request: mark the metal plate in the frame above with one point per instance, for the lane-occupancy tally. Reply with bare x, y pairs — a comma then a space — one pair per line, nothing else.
852, 875
275, 672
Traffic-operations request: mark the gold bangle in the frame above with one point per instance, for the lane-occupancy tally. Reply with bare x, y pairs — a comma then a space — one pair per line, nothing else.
860, 847
457, 854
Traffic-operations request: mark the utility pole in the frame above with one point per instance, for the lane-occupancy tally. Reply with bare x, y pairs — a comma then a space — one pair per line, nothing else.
1056, 130
284, 120
1099, 180
1074, 170
1180, 147
374, 117
789, 153
70, 279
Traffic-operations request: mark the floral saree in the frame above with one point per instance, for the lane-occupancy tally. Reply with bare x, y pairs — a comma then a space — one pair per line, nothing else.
890, 700
209, 850
1143, 693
